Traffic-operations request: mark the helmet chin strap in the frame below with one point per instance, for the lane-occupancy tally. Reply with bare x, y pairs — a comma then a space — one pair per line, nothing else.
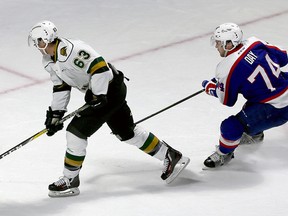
43, 50
226, 50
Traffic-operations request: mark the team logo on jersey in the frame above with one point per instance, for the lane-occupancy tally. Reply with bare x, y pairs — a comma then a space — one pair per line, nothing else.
220, 86
63, 51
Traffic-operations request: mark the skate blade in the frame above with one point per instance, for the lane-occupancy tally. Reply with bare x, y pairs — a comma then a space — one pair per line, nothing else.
209, 168
66, 193
182, 163
205, 168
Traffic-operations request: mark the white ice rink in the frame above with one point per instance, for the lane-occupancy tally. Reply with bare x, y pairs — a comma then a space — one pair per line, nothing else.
163, 46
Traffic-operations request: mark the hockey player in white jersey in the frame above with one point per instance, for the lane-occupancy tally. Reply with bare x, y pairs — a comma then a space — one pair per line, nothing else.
73, 63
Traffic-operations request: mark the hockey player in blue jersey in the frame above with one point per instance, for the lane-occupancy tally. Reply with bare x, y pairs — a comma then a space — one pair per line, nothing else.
252, 68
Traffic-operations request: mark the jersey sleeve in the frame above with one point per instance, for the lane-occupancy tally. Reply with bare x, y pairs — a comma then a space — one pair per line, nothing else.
278, 55
61, 90
101, 75
228, 85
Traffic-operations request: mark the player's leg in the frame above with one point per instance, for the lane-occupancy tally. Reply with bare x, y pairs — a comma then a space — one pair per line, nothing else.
258, 117
247, 126
231, 132
78, 131
122, 125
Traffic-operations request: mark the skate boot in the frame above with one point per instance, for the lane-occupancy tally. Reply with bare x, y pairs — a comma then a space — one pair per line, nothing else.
64, 187
174, 163
247, 139
217, 159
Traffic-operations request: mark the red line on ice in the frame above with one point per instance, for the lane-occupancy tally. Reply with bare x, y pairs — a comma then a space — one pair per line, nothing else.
133, 55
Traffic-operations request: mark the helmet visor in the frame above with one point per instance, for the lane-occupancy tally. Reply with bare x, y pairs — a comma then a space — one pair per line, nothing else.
212, 40
36, 37
37, 42
32, 41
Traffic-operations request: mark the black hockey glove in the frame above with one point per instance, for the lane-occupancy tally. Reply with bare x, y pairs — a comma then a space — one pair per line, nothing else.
52, 119
95, 101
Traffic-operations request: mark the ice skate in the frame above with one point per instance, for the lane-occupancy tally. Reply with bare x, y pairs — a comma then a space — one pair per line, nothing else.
247, 139
64, 187
217, 159
174, 164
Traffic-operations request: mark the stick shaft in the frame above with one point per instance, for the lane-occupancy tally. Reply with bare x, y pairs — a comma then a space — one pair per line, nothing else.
168, 107
83, 108
41, 132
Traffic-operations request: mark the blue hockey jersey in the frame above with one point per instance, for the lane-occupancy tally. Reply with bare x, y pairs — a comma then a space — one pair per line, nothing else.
253, 69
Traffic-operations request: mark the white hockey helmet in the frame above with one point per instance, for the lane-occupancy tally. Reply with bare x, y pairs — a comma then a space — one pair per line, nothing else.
44, 30
227, 32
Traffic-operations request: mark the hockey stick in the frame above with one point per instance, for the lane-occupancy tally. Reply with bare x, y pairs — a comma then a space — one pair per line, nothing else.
172, 105
83, 108
42, 132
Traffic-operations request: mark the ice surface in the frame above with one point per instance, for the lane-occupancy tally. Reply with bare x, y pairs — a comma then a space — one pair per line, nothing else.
163, 47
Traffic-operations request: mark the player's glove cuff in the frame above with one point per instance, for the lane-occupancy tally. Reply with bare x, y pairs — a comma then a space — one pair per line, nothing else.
95, 101
210, 87
52, 121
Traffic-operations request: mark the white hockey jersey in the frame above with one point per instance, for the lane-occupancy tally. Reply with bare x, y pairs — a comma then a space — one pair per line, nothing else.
78, 65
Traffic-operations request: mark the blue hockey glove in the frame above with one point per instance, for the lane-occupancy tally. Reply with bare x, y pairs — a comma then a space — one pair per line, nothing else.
52, 119
210, 87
